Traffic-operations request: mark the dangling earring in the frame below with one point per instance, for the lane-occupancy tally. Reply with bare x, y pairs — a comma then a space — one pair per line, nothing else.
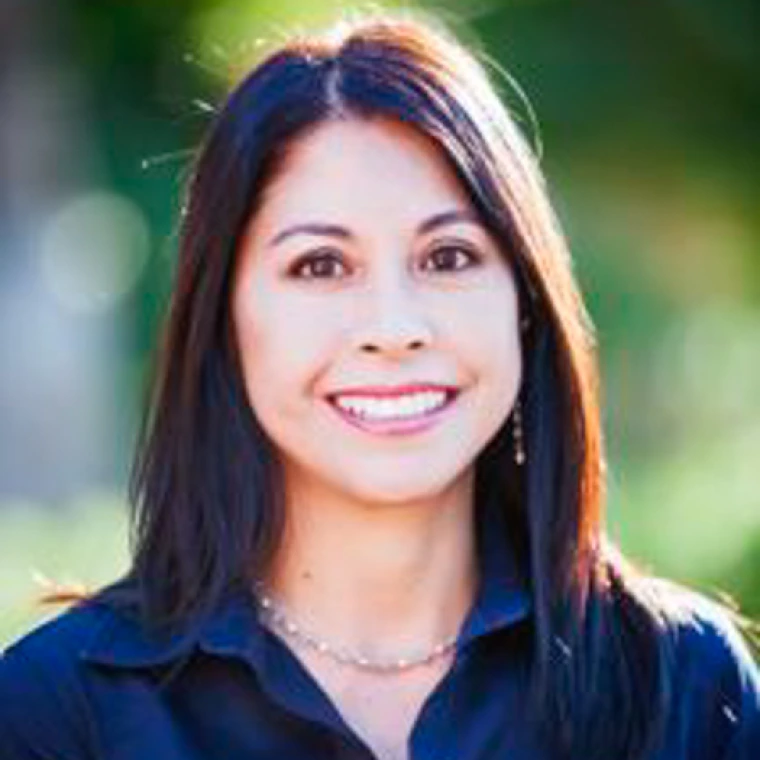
517, 434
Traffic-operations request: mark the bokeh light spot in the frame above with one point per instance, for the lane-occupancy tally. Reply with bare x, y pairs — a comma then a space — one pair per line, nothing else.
93, 251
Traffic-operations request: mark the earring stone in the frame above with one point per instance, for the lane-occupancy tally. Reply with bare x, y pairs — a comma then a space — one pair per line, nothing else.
518, 435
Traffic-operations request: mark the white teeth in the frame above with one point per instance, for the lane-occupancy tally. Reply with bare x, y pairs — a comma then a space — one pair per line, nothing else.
411, 405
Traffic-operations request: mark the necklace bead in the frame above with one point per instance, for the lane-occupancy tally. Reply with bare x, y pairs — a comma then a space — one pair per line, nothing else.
275, 614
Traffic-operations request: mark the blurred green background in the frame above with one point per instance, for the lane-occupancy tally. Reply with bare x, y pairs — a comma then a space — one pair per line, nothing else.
648, 117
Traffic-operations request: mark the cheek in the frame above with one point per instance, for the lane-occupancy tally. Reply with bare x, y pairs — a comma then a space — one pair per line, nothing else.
506, 326
281, 348
489, 326
501, 359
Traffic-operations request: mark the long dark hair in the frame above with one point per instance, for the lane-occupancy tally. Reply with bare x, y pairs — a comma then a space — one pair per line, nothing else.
207, 506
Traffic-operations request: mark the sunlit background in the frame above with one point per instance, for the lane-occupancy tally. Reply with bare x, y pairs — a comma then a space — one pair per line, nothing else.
648, 114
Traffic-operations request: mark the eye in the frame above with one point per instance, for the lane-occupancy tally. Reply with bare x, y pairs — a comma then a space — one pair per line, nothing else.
315, 266
453, 257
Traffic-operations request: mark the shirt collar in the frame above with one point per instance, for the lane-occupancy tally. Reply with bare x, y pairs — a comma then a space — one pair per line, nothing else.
122, 641
502, 600
503, 596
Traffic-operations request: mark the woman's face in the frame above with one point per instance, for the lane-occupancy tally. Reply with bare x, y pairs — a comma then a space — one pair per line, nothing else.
366, 270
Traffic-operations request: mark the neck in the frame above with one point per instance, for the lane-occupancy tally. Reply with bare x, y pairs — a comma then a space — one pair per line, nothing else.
379, 579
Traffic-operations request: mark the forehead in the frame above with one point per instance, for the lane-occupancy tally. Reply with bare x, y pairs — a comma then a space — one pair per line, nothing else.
355, 167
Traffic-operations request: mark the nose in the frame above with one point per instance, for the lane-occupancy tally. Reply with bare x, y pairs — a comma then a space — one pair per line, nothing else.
394, 322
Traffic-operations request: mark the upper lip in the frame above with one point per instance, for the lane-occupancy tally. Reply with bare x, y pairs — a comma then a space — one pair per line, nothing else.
386, 391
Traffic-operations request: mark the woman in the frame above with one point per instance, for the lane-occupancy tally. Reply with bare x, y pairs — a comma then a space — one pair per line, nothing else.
368, 500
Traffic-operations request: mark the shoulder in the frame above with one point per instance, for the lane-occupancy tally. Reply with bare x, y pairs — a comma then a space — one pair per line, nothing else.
705, 633
712, 674
43, 696
61, 636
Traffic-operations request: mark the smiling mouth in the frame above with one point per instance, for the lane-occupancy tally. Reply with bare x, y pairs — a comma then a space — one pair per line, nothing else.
394, 415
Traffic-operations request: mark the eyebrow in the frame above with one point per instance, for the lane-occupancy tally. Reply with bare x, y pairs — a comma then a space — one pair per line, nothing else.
336, 231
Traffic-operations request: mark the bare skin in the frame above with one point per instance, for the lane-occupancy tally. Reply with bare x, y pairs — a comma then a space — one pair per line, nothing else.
380, 708
402, 568
378, 554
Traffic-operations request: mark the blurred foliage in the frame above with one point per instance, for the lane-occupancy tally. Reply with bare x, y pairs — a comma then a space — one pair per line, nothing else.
82, 543
648, 114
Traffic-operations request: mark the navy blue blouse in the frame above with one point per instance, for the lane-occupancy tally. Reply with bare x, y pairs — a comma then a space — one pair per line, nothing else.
90, 684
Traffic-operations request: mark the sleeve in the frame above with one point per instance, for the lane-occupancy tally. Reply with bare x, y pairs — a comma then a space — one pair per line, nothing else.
743, 713
41, 710
723, 702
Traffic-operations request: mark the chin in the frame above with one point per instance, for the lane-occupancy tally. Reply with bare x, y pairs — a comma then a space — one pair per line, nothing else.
396, 491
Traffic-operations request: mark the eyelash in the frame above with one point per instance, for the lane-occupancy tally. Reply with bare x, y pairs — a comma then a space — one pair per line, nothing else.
311, 258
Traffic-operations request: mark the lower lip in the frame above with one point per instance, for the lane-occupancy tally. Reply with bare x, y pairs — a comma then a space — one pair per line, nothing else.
407, 426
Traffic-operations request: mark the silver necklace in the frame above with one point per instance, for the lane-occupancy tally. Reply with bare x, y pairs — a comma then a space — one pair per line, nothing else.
274, 613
